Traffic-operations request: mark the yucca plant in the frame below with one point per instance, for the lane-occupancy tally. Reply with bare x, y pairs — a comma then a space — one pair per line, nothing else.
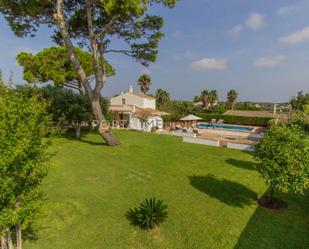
149, 214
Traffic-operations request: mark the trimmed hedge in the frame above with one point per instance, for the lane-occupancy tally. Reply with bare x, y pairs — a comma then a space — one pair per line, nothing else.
233, 119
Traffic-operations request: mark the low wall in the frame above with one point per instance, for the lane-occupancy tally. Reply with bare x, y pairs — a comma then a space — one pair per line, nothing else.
233, 133
182, 134
200, 141
241, 147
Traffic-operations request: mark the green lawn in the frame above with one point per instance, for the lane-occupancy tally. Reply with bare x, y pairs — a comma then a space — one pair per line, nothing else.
210, 191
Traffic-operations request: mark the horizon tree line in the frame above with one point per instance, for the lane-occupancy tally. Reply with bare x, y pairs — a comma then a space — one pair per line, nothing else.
210, 98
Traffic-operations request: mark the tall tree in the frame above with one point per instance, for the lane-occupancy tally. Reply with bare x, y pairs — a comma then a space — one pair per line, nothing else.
53, 64
144, 81
196, 99
25, 133
162, 98
283, 156
205, 99
213, 98
299, 102
231, 98
1, 78
92, 24
67, 107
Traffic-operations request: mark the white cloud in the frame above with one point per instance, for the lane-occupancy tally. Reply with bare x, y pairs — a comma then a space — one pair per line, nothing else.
269, 61
209, 64
287, 10
296, 37
293, 8
255, 21
236, 29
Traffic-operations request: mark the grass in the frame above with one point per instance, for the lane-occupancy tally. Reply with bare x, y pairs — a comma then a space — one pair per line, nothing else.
210, 193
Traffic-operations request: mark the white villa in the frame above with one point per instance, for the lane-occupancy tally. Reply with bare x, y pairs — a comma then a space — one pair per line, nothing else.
137, 111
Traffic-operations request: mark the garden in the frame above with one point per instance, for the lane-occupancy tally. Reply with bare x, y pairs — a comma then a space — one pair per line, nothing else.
211, 195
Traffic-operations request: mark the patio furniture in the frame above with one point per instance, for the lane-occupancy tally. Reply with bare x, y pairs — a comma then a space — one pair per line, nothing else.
213, 121
190, 119
220, 121
178, 127
196, 131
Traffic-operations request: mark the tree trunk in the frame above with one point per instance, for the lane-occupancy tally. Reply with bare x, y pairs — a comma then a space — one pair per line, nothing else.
3, 243
19, 244
271, 194
77, 130
104, 127
9, 240
93, 95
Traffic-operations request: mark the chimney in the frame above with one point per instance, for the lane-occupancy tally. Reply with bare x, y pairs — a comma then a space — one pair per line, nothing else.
131, 89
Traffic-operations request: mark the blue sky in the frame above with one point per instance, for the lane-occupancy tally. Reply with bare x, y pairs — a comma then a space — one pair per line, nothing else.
258, 47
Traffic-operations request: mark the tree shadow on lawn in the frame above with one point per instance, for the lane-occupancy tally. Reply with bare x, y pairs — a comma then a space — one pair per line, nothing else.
241, 163
228, 192
273, 229
71, 137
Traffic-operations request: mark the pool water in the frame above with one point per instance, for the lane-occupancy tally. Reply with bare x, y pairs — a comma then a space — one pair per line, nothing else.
225, 127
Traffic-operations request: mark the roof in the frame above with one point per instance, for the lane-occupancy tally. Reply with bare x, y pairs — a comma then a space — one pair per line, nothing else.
120, 108
190, 118
148, 112
136, 110
142, 95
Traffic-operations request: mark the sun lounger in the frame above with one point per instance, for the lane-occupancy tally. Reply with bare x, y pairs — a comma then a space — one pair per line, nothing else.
220, 121
178, 127
213, 121
196, 131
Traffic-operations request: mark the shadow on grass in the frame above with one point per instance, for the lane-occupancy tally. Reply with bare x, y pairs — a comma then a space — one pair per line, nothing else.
273, 229
228, 192
241, 163
70, 135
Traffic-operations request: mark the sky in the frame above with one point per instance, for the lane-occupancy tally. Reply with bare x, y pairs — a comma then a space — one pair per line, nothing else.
260, 48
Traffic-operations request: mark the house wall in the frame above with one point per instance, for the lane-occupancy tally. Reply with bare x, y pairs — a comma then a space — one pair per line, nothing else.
136, 124
131, 99
149, 103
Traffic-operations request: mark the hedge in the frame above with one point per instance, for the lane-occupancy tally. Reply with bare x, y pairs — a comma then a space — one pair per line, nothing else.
233, 119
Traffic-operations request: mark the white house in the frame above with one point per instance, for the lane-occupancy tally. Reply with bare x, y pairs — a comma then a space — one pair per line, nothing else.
136, 111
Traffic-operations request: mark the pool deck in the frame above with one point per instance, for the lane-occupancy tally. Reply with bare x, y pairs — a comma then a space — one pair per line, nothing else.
225, 136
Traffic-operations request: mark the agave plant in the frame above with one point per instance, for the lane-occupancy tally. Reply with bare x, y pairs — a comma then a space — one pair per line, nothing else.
149, 214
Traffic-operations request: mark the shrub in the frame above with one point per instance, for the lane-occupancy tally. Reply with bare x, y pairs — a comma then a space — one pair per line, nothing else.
149, 214
233, 119
283, 156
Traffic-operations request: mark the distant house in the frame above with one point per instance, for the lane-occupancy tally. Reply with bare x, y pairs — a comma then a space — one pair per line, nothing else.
136, 110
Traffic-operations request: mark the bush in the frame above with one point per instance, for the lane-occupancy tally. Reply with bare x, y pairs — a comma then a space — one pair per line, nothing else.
283, 156
149, 214
233, 119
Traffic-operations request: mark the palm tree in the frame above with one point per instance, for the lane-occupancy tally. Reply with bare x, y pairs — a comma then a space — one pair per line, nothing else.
196, 99
213, 98
231, 98
162, 98
205, 98
144, 81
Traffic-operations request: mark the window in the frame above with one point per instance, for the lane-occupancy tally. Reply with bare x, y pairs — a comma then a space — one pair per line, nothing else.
123, 101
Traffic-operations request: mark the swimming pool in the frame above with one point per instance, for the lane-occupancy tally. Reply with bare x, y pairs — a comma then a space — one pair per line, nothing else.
225, 127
